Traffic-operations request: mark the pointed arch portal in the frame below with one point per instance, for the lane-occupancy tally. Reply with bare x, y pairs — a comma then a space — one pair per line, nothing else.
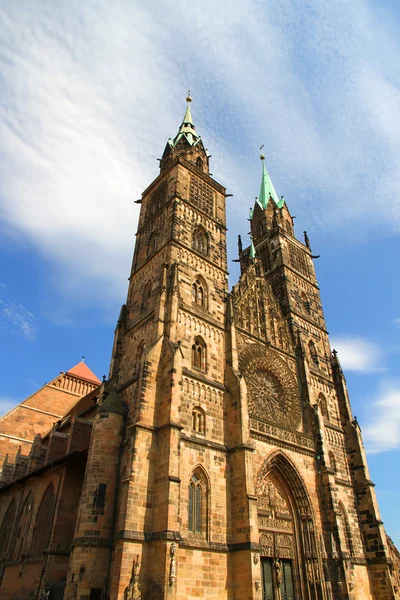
290, 555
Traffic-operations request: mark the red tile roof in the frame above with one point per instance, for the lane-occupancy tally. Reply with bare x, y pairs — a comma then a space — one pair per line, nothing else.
82, 370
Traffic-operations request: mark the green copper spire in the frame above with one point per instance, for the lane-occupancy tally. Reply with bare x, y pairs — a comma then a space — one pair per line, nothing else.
187, 128
187, 119
267, 189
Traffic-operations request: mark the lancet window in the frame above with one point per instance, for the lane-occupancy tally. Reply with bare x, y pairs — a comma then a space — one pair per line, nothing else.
6, 527
332, 461
324, 406
305, 303
198, 420
199, 354
42, 529
146, 297
313, 352
22, 529
199, 293
197, 503
344, 530
200, 240
151, 243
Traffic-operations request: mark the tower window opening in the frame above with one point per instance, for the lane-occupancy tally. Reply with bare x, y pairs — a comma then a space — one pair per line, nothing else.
306, 303
199, 354
201, 195
313, 352
99, 500
288, 227
145, 297
324, 406
199, 293
198, 420
199, 163
332, 461
200, 241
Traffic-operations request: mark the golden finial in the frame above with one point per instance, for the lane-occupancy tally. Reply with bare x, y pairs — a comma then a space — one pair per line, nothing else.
262, 156
189, 97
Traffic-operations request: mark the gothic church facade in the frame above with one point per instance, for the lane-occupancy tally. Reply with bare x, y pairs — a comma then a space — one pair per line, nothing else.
224, 460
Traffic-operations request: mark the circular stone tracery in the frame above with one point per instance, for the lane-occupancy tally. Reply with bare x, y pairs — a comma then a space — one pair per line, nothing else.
273, 394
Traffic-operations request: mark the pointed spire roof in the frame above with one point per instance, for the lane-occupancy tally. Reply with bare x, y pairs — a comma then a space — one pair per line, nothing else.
187, 128
267, 189
82, 370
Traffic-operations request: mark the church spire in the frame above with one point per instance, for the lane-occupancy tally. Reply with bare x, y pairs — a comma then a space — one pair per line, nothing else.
187, 128
267, 189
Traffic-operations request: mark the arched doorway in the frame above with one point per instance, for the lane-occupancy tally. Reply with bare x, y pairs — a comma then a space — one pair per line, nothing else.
290, 558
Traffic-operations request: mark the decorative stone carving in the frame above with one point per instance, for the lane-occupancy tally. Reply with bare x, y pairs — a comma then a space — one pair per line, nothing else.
272, 507
256, 558
172, 566
133, 589
273, 394
267, 543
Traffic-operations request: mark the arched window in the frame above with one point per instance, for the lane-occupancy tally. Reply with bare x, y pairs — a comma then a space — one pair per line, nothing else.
139, 353
313, 352
344, 531
200, 240
288, 227
324, 406
151, 243
41, 533
199, 354
199, 163
197, 505
305, 302
146, 296
6, 528
22, 529
198, 420
199, 292
332, 461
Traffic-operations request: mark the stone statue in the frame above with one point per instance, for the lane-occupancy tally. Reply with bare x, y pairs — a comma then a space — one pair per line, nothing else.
172, 566
310, 573
133, 591
278, 571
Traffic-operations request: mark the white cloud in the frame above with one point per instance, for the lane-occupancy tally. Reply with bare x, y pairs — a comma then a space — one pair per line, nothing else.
18, 318
382, 432
90, 93
396, 322
356, 354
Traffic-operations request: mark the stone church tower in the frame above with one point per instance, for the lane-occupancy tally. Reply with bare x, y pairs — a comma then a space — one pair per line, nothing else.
224, 460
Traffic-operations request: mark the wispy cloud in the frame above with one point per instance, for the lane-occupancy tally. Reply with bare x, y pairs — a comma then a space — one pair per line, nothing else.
85, 108
6, 404
382, 432
61, 317
18, 318
396, 322
357, 354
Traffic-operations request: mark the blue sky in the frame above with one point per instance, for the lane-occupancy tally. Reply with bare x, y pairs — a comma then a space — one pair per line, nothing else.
91, 91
